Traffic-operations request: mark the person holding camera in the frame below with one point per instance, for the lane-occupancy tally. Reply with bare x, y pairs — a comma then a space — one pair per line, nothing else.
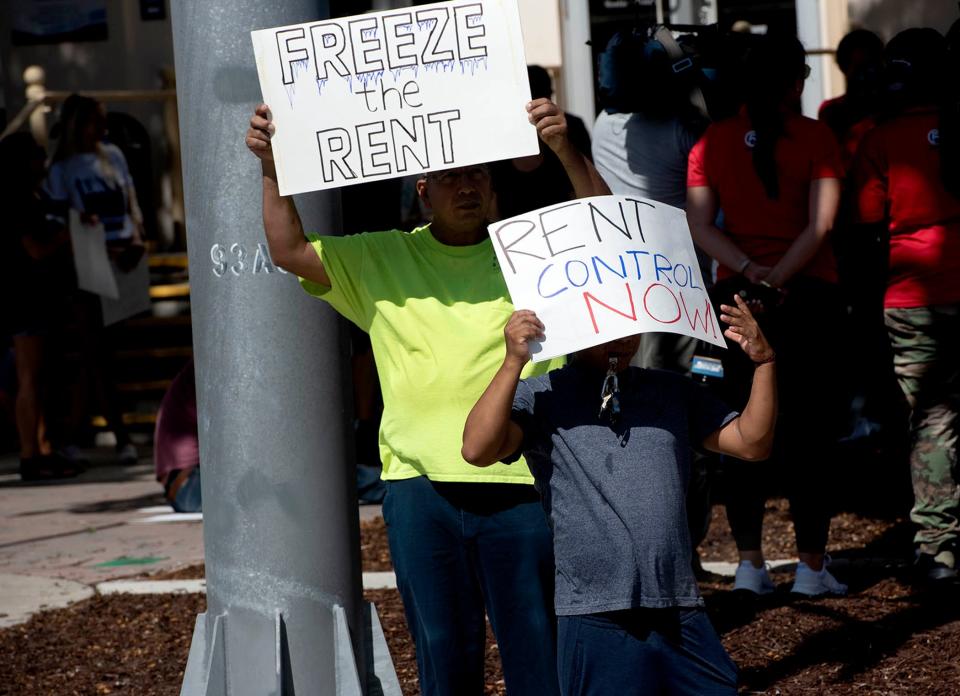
777, 177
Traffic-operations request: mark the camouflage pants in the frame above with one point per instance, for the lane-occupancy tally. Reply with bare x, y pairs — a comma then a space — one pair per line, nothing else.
926, 359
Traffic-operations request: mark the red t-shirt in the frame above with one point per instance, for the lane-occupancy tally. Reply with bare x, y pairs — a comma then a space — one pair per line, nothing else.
897, 178
847, 129
761, 227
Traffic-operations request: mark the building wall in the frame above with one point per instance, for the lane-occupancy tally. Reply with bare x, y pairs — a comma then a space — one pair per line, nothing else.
887, 17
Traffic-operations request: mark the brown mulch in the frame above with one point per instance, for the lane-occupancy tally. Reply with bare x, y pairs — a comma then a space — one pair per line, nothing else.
390, 610
374, 551
887, 637
116, 644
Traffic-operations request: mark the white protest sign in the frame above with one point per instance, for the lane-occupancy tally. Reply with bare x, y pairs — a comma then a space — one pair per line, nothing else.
395, 93
597, 269
133, 288
90, 259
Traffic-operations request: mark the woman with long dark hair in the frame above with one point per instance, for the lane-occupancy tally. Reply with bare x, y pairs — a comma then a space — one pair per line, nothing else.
776, 176
92, 177
907, 180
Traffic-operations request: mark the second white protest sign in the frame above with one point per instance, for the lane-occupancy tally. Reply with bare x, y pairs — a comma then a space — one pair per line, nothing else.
600, 268
395, 93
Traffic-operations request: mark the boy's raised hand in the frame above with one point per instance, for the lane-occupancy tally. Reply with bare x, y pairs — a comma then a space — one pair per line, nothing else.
522, 328
745, 331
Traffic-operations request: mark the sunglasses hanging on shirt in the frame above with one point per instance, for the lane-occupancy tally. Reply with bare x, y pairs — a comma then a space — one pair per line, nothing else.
610, 394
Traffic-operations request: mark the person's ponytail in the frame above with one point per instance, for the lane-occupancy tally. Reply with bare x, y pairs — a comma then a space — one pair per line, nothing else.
773, 69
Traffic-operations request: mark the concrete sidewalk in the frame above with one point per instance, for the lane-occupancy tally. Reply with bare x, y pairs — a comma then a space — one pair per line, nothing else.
88, 529
60, 539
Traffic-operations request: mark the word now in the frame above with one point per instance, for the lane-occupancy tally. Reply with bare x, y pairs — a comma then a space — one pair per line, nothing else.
658, 302
388, 42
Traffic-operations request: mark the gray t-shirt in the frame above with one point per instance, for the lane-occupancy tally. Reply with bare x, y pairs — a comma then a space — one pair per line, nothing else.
615, 495
640, 156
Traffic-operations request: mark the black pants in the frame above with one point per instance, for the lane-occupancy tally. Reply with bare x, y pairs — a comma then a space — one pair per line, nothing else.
806, 331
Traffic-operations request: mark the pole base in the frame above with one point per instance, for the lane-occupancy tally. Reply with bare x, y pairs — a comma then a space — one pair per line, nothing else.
206, 671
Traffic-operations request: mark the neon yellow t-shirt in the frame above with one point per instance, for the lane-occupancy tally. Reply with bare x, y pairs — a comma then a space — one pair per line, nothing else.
435, 315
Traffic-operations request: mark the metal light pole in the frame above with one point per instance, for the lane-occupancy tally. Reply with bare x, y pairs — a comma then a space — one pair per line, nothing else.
284, 604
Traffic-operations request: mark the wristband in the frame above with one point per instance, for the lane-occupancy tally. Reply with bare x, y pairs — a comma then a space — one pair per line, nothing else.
743, 265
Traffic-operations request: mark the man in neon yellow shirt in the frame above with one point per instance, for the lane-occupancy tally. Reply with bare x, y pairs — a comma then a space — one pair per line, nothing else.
434, 302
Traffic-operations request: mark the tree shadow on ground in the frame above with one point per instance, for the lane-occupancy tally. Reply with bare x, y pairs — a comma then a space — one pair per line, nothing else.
122, 505
858, 643
886, 556
95, 474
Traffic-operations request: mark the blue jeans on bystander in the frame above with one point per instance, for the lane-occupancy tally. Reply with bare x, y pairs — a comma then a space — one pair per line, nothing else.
460, 548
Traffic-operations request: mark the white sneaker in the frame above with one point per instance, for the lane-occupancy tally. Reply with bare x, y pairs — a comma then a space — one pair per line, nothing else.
814, 583
751, 579
127, 455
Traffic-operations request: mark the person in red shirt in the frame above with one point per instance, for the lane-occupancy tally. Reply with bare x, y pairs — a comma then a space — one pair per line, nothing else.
861, 260
776, 176
905, 183
852, 114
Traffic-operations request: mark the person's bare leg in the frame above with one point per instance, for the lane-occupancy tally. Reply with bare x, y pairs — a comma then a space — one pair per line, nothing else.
28, 352
754, 556
44, 445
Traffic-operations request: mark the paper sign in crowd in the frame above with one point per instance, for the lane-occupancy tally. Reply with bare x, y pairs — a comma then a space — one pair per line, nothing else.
394, 93
123, 294
601, 268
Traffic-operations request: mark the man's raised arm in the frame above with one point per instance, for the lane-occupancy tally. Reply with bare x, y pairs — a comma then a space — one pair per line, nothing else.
552, 128
289, 249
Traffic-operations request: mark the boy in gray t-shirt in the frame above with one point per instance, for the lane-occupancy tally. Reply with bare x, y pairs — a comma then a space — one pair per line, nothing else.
609, 447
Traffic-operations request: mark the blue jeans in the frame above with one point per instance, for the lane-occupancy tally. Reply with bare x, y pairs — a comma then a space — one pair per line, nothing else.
460, 548
188, 498
643, 651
